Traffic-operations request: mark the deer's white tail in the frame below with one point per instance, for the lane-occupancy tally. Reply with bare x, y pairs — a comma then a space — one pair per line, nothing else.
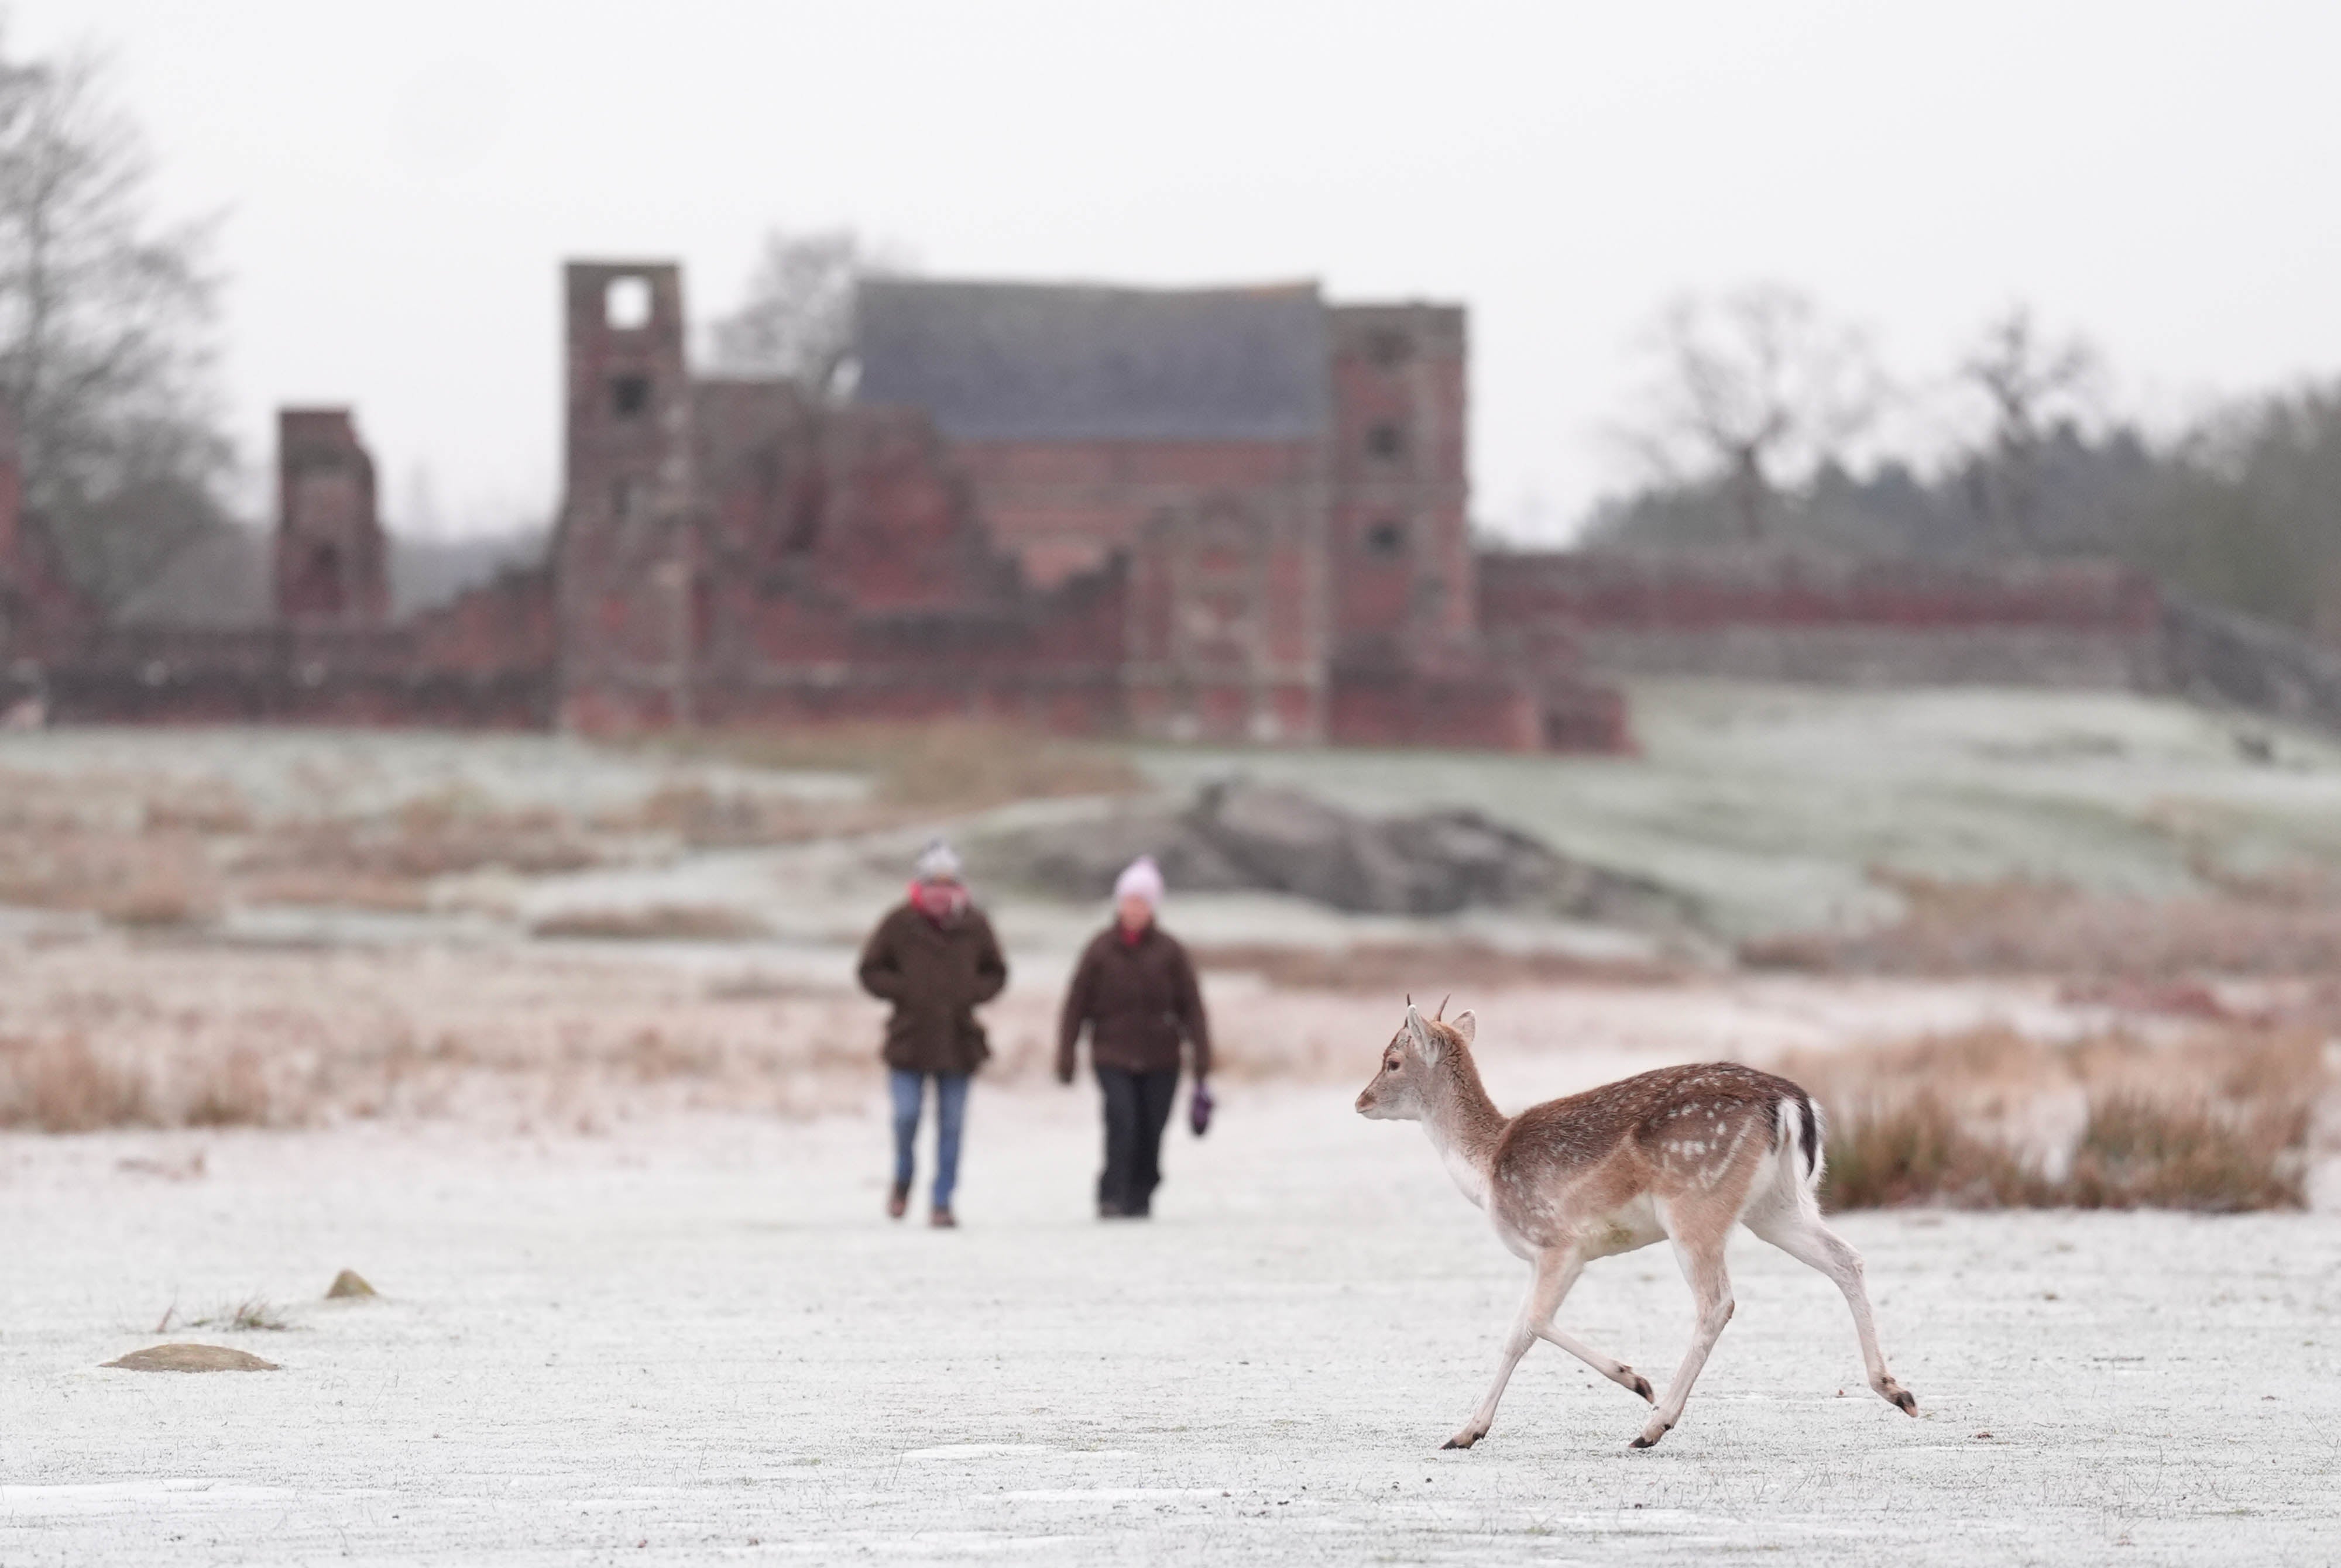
1800, 1140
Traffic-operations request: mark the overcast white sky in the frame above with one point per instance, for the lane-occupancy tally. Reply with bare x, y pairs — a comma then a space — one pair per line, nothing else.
400, 183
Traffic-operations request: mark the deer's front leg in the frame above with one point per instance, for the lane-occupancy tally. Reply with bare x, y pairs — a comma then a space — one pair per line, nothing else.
1546, 1287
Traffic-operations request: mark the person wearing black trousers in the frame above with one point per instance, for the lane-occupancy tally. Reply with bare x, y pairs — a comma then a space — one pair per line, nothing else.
1134, 989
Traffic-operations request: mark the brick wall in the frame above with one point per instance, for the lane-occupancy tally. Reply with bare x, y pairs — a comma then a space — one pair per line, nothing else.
1819, 619
1062, 508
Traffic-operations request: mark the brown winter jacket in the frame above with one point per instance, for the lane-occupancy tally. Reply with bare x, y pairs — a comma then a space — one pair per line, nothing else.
934, 975
1138, 998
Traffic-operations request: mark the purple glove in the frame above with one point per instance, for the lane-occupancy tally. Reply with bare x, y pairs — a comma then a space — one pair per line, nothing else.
1198, 1109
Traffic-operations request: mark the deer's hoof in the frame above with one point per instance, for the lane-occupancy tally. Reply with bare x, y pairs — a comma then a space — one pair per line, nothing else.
1906, 1401
1641, 1386
1462, 1440
1651, 1435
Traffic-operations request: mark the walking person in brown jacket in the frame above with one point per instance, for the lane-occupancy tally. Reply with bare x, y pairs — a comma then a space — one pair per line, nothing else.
935, 959
1135, 989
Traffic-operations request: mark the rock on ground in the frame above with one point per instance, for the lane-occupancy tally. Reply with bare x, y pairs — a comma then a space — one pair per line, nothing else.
1239, 837
192, 1358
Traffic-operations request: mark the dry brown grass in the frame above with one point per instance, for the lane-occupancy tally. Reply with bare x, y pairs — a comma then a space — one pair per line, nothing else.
335, 891
60, 1084
2218, 1123
657, 922
705, 817
144, 854
1918, 1152
2029, 927
1426, 969
2140, 1151
234, 1093
434, 837
106, 1035
942, 765
134, 878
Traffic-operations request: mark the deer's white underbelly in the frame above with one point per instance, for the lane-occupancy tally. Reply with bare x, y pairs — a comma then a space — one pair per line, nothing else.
1632, 1224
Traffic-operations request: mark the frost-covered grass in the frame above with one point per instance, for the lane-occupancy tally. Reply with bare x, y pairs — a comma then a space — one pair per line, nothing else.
1776, 805
1782, 811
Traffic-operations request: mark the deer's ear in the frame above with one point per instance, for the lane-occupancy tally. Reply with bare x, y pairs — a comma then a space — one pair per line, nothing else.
1465, 1025
1425, 1043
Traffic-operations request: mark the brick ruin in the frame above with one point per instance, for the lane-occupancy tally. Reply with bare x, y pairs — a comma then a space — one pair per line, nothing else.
331, 654
1229, 515
331, 561
1223, 515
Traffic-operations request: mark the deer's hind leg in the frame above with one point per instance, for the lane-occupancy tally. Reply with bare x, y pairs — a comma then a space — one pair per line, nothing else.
1556, 1271
1792, 1222
1699, 1249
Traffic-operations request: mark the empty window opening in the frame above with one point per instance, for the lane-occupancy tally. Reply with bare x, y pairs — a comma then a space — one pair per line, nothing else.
1389, 348
803, 536
629, 395
626, 304
1386, 538
1386, 439
317, 587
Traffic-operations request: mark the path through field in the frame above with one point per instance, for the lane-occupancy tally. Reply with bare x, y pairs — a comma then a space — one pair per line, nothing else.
698, 1342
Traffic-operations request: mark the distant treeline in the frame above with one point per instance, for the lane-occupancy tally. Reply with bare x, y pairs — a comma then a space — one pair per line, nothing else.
2241, 510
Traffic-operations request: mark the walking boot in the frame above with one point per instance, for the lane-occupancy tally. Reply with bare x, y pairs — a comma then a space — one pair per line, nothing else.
899, 1203
942, 1220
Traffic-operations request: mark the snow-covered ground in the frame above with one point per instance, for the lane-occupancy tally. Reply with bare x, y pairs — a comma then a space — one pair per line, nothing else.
695, 1340
629, 1316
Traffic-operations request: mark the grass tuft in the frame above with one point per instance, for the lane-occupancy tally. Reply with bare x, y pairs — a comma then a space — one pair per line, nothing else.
252, 1314
2138, 1153
939, 765
1918, 1153
659, 922
2218, 1124
2021, 927
60, 1084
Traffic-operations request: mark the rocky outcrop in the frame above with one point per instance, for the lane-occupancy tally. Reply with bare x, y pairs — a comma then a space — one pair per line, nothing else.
2217, 655
1251, 838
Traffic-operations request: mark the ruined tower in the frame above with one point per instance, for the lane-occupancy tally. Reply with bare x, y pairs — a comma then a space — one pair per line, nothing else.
626, 553
1403, 573
331, 568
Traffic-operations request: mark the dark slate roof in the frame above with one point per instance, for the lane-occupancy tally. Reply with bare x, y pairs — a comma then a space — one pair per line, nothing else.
1037, 361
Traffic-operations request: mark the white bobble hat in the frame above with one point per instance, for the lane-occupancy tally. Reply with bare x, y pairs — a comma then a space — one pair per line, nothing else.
939, 862
1142, 878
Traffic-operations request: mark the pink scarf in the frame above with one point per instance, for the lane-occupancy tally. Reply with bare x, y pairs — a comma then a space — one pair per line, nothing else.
941, 902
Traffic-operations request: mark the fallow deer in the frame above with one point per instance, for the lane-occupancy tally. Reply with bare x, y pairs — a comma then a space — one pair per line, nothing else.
1681, 1155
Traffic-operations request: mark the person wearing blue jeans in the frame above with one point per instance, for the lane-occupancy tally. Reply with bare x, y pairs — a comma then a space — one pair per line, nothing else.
934, 958
909, 1091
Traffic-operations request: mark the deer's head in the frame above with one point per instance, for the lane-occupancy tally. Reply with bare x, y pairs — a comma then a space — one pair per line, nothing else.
1400, 1091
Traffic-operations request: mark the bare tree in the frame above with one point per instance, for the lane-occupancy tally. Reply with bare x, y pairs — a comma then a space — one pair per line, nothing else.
797, 321
1752, 387
2029, 382
104, 336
